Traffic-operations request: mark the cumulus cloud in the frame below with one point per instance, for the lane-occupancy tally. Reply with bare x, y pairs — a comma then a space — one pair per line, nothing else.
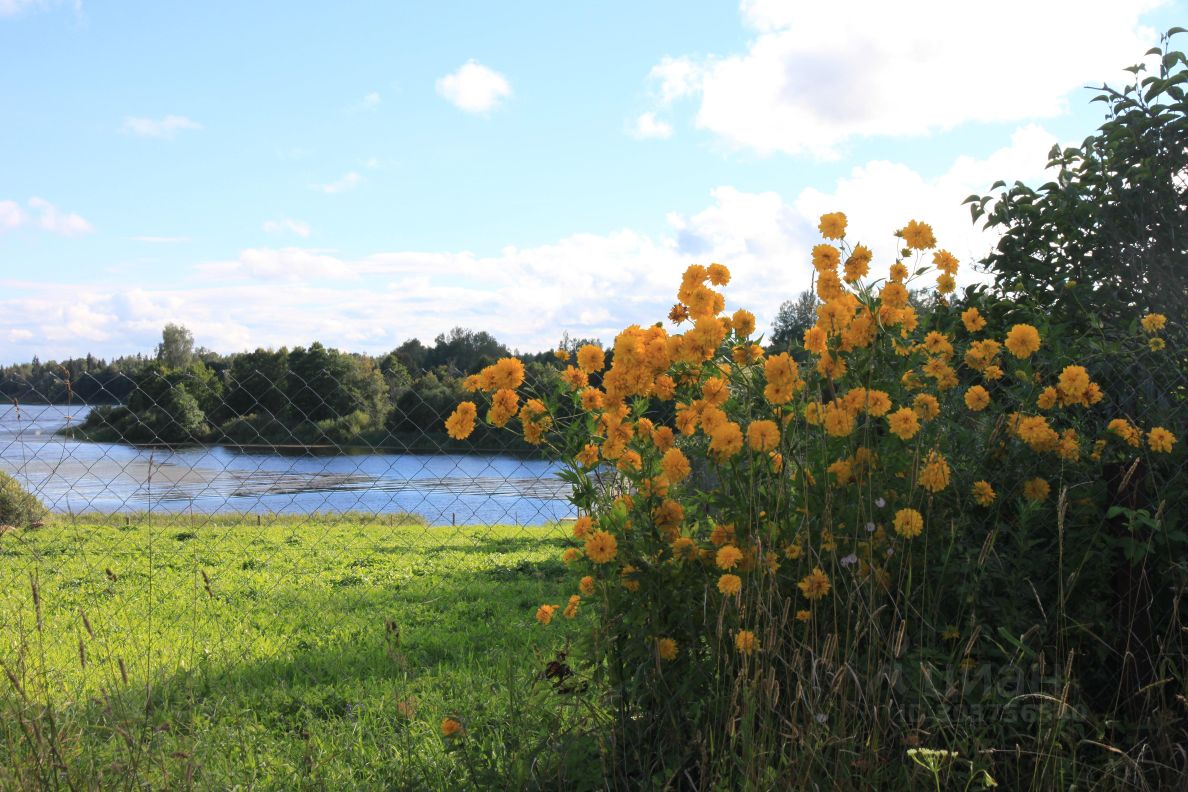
474, 88
349, 181
287, 225
166, 127
648, 126
590, 285
801, 86
43, 215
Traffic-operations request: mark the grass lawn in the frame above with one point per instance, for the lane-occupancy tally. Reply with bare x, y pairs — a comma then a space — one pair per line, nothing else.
291, 653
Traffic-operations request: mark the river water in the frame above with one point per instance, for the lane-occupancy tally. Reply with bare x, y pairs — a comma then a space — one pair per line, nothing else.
73, 477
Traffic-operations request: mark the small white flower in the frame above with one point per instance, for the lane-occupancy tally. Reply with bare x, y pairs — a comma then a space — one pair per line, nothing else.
880, 502
870, 527
822, 717
849, 560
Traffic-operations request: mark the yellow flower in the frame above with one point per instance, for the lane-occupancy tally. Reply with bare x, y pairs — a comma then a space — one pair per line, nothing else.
1023, 340
504, 405
571, 554
1036, 489
575, 378
728, 557
675, 465
825, 258
909, 523
544, 614
763, 436
729, 584
1125, 430
561, 354
804, 615
1047, 398
506, 373
973, 320
935, 475
719, 275
627, 578
904, 423
588, 456
1156, 344
746, 642
832, 225
945, 284
945, 261
983, 493
926, 406
450, 727
461, 422
918, 236
743, 322
571, 608
591, 359
1160, 440
898, 272
815, 584
601, 547
838, 421
1073, 383
1154, 322
858, 264
666, 648
586, 585
792, 551
726, 440
977, 398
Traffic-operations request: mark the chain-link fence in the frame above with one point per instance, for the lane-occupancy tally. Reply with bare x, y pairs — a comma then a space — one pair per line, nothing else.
275, 546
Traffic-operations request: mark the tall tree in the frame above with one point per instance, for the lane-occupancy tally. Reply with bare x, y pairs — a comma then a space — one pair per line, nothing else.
176, 349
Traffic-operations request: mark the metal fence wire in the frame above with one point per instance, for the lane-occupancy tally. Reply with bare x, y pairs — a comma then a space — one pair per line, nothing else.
246, 542
202, 530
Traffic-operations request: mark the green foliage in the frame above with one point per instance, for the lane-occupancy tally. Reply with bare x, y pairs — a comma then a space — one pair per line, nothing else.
1107, 238
176, 349
792, 319
18, 507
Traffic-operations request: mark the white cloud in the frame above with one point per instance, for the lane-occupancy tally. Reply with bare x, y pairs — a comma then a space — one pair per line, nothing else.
10, 8
349, 181
372, 100
11, 215
287, 225
805, 84
166, 127
647, 126
474, 88
590, 285
44, 215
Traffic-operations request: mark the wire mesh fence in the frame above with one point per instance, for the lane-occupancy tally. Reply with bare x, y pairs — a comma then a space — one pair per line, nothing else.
258, 533
194, 543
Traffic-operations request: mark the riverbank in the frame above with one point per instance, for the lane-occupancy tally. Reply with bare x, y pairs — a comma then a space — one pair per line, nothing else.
323, 652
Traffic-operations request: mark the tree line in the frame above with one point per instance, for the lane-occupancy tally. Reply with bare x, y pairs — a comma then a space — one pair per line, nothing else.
303, 397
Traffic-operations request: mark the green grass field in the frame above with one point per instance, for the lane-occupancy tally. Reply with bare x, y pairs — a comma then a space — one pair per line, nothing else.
297, 653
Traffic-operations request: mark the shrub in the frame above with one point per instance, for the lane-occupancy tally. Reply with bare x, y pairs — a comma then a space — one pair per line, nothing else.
802, 571
17, 506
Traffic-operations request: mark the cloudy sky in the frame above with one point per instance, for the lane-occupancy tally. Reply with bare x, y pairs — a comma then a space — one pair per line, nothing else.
363, 173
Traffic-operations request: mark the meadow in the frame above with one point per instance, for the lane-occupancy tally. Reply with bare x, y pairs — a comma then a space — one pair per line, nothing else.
281, 653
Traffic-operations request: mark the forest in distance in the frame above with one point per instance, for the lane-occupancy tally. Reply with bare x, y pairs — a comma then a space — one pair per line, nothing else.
304, 396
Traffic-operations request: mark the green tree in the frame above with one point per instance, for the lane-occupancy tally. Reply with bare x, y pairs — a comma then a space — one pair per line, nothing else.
176, 349
1107, 239
792, 319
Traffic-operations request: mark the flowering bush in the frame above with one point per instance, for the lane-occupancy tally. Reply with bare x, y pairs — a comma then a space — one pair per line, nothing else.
790, 565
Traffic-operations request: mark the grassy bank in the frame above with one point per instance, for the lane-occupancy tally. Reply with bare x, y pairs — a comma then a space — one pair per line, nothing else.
297, 653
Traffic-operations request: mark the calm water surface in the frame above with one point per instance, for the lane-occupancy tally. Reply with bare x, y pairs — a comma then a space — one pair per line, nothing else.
72, 476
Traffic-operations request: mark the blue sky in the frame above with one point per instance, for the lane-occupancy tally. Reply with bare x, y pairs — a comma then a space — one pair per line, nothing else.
363, 173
